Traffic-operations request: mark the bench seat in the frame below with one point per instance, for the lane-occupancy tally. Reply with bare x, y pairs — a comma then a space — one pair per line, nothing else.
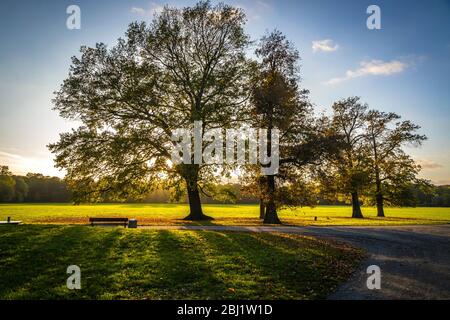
10, 222
109, 221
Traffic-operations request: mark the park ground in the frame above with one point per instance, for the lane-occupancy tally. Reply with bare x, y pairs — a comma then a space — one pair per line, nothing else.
305, 259
173, 214
119, 263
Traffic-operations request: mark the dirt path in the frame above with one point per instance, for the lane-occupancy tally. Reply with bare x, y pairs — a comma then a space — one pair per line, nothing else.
414, 260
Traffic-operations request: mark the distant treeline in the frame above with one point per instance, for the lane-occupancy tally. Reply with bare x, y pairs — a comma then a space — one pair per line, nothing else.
39, 188
438, 197
32, 188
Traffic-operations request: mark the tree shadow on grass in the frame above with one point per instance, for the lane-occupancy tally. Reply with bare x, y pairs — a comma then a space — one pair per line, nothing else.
281, 266
34, 261
141, 264
183, 272
115, 264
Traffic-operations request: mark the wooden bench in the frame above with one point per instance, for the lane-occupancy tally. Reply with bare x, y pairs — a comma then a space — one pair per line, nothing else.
9, 221
109, 221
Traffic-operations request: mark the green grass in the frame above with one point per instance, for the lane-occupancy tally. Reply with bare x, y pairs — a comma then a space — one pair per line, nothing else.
164, 214
119, 263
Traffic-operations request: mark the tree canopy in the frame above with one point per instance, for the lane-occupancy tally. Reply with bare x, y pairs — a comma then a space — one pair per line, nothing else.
187, 65
393, 171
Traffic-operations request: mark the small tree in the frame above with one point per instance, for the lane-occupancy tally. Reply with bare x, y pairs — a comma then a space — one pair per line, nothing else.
393, 171
187, 65
350, 167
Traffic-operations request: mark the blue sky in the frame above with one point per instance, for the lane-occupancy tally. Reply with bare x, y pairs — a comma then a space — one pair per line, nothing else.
404, 67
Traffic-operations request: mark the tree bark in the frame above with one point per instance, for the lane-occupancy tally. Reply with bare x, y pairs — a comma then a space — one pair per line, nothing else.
380, 204
356, 207
379, 194
262, 208
271, 216
195, 204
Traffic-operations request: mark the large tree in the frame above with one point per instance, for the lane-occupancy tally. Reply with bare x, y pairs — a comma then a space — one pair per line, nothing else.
393, 171
350, 168
280, 103
188, 65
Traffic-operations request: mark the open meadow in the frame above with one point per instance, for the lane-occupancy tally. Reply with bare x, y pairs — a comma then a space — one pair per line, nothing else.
173, 214
120, 263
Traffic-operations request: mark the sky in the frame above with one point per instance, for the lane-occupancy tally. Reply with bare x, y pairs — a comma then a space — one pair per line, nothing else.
404, 67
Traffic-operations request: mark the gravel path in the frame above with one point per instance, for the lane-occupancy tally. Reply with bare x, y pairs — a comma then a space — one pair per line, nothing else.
414, 260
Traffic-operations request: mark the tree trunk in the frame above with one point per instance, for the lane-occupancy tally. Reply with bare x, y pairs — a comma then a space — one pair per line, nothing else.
379, 195
271, 216
380, 209
262, 208
195, 205
356, 207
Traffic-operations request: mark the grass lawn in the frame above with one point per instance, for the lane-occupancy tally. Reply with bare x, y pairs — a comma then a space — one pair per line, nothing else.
164, 214
119, 263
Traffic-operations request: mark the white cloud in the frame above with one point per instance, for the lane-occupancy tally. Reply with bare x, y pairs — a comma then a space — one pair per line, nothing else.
255, 11
139, 11
19, 164
154, 8
326, 45
372, 67
264, 5
428, 164
442, 182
